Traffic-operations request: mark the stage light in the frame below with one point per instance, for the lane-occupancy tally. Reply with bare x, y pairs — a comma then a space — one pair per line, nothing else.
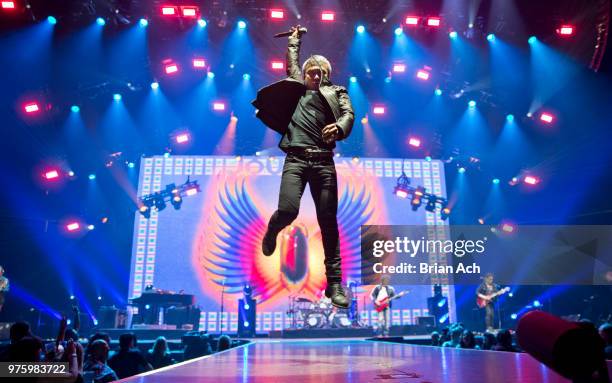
513, 316
199, 63
99, 298
168, 10
202, 23
8, 5
51, 174
51, 20
379, 110
546, 117
159, 203
442, 302
510, 294
438, 92
399, 68
529, 114
531, 180
73, 226
353, 79
190, 12
75, 109
398, 31
92, 176
328, 16
433, 22
413, 141
219, 106
277, 65
176, 201
360, 29
191, 191
431, 206
422, 75
428, 158
472, 104
387, 79
411, 20
31, 107
453, 35
100, 21
246, 324
143, 22
491, 37
246, 77
495, 181
565, 30
71, 297
182, 138
210, 75
171, 68
277, 14
90, 227
131, 165
444, 213
147, 307
532, 39
510, 118
117, 97
71, 174
247, 306
154, 85
242, 24
536, 303
145, 211
461, 170
508, 228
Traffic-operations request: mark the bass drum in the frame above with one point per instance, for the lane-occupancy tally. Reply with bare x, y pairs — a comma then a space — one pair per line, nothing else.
315, 320
341, 320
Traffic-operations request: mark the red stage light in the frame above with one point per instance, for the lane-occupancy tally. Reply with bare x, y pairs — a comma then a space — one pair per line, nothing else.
190, 11
277, 14
219, 106
199, 63
171, 68
182, 138
399, 68
433, 22
73, 226
531, 180
328, 16
565, 30
192, 191
546, 117
8, 5
379, 110
278, 65
413, 141
412, 20
51, 174
422, 74
169, 10
31, 107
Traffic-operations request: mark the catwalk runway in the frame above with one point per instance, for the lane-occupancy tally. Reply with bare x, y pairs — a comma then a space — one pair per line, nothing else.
343, 360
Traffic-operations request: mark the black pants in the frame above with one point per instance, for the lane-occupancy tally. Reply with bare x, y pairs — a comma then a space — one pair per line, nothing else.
489, 313
320, 175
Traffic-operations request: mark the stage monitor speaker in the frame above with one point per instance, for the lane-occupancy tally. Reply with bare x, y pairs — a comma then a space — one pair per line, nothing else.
180, 316
428, 321
247, 316
107, 317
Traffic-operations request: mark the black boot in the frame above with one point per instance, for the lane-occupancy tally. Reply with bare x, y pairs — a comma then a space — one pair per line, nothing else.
336, 292
269, 243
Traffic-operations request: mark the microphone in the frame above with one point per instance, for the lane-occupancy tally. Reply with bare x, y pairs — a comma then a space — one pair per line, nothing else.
301, 30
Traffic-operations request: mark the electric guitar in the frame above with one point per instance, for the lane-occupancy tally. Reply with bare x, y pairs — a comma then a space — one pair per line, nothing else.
384, 303
482, 302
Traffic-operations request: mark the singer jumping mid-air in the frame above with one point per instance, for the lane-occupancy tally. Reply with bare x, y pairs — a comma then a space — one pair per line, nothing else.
312, 114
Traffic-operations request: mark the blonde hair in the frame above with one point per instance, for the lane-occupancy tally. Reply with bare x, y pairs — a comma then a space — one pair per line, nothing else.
317, 60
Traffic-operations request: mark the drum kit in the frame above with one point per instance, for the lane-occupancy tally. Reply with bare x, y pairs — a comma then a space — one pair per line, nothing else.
307, 313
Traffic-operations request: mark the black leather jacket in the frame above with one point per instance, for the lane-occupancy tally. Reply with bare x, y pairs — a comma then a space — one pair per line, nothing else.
276, 103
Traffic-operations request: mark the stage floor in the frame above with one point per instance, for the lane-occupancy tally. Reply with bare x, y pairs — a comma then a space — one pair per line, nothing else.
355, 360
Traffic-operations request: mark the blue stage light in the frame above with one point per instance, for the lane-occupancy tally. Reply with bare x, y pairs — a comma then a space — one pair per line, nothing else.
100, 21
398, 31
536, 303
246, 76
202, 23
428, 158
461, 170
472, 104
154, 85
144, 22
513, 316
242, 24
532, 40
353, 79
246, 324
495, 181
510, 118
131, 165
246, 307
92, 176
117, 97
453, 35
360, 29
75, 109
438, 92
491, 37
387, 79
211, 75
52, 20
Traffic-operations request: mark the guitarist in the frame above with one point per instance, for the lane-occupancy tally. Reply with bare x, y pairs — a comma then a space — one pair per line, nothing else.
380, 295
485, 292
